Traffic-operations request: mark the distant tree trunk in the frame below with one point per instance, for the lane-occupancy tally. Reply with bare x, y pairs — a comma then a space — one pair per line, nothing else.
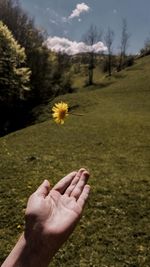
91, 68
109, 64
109, 40
90, 77
124, 44
91, 37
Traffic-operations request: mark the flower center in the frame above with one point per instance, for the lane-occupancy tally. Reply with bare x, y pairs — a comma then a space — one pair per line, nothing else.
62, 114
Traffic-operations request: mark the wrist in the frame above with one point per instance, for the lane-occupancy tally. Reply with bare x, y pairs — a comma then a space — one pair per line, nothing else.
36, 251
40, 246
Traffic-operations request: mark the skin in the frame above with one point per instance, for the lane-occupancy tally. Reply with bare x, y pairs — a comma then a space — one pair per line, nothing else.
50, 217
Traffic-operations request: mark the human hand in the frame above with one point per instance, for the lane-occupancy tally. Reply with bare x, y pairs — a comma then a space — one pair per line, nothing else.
52, 214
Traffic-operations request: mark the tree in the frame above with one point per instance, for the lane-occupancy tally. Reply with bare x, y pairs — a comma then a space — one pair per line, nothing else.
39, 58
146, 50
124, 44
62, 74
91, 37
20, 24
109, 38
14, 75
31, 38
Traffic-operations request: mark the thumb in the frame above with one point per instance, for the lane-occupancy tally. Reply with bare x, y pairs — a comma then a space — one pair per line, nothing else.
43, 189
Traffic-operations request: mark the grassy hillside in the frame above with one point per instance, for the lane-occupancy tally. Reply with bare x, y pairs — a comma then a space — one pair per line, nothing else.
112, 140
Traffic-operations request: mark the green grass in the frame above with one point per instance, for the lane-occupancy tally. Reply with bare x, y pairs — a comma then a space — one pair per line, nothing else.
112, 140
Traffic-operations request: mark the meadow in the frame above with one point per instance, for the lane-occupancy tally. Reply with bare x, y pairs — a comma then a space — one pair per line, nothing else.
112, 140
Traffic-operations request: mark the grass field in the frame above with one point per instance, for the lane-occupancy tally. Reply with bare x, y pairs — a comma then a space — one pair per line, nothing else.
112, 140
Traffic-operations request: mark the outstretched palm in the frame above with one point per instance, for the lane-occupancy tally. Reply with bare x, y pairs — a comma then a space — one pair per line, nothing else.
51, 216
57, 211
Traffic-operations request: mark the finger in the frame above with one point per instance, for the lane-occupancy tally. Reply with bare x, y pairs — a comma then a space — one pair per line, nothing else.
63, 184
77, 191
74, 182
84, 196
43, 189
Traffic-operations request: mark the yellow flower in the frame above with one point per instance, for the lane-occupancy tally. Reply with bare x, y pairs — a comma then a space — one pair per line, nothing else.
60, 111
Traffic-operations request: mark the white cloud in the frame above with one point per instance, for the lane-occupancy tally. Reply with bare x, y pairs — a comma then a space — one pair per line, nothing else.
80, 8
64, 45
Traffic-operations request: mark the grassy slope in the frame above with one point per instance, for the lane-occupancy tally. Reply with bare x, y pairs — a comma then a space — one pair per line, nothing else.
112, 140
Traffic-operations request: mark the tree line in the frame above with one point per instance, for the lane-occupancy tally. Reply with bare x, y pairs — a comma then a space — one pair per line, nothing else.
111, 61
31, 74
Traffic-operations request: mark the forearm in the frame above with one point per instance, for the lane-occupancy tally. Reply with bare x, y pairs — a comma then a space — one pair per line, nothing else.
29, 254
35, 250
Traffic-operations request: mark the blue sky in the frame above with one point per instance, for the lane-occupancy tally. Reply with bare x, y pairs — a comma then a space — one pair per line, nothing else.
72, 18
